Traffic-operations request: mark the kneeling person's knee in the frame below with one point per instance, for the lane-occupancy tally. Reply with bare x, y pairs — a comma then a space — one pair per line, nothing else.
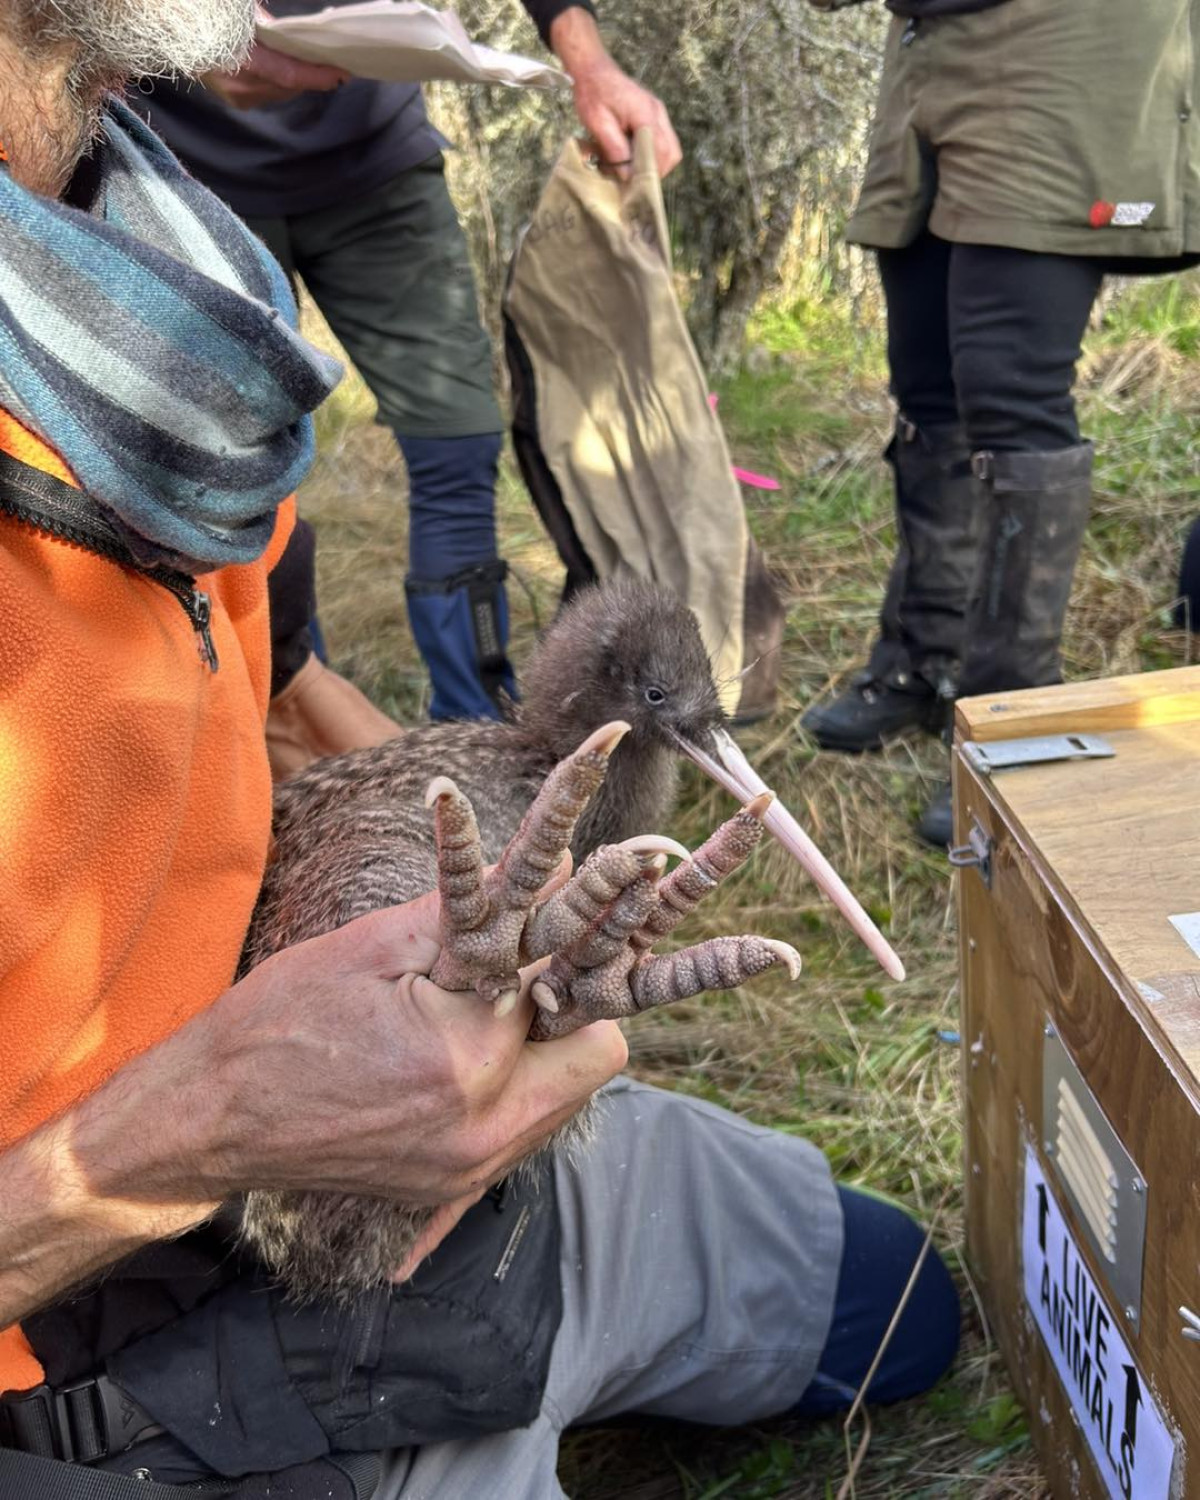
882, 1247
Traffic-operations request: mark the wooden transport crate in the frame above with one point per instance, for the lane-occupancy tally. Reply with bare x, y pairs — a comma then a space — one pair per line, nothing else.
1081, 1051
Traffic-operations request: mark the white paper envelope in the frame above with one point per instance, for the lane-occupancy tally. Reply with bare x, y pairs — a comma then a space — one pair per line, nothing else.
402, 41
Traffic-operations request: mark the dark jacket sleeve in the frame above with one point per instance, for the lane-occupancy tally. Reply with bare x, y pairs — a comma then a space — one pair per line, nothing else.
545, 11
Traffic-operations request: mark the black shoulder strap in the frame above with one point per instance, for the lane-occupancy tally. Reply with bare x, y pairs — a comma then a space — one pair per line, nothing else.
23, 1477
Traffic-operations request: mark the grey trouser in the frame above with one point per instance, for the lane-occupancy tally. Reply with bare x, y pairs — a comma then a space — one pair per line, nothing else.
700, 1258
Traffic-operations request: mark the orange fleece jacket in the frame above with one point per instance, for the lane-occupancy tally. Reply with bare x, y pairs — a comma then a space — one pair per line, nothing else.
135, 812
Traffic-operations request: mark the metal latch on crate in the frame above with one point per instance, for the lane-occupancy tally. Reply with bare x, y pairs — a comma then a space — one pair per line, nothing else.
975, 854
1001, 755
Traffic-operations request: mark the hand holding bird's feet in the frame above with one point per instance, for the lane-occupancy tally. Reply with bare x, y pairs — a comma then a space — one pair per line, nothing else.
600, 926
342, 1195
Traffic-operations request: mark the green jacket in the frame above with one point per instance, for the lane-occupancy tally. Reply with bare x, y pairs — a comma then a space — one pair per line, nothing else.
1066, 126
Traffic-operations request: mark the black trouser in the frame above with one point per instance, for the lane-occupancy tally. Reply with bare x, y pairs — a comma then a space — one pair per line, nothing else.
292, 594
1187, 613
983, 344
988, 337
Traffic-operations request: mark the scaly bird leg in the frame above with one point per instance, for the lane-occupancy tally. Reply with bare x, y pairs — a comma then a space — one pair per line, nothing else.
601, 925
628, 985
484, 915
687, 885
594, 978
580, 905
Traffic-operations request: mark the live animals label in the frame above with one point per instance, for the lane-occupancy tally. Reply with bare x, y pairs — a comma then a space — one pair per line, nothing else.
1116, 1410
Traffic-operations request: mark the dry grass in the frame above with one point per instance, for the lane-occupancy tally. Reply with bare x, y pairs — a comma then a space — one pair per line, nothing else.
854, 1064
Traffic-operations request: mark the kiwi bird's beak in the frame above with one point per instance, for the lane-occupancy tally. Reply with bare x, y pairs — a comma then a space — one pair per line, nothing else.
729, 768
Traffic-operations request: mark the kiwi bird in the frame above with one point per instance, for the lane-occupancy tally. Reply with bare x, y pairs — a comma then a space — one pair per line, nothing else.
622, 670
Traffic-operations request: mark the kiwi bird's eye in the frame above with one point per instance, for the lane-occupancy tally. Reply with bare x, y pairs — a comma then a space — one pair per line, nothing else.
655, 697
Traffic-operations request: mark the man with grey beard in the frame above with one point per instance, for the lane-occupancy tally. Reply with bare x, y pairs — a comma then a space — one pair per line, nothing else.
154, 418
61, 56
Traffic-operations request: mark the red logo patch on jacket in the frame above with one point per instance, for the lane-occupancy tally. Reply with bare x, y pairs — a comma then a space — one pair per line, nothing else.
1102, 214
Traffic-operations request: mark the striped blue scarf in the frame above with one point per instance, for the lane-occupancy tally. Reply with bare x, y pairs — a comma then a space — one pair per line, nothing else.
152, 342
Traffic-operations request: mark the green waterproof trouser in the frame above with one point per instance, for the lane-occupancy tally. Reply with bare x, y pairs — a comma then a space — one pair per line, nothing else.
391, 273
1061, 126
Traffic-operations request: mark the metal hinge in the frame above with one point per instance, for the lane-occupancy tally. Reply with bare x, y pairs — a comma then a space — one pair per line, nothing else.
1000, 755
975, 854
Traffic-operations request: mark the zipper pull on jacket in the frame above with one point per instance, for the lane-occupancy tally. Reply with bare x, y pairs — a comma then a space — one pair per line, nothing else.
200, 614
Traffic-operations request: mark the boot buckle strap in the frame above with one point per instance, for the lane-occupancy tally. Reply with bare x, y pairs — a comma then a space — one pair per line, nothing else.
983, 465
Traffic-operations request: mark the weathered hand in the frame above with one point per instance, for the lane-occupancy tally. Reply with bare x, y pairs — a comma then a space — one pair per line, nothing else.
611, 107
342, 1068
270, 77
599, 928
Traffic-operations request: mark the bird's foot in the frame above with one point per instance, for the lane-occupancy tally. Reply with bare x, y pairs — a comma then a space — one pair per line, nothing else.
608, 971
599, 928
484, 912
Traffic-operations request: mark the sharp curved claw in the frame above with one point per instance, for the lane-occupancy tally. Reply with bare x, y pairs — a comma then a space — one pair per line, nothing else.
655, 843
604, 741
787, 955
544, 997
506, 1003
757, 806
439, 787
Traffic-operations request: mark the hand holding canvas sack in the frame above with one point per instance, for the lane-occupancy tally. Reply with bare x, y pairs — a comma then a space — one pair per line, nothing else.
612, 425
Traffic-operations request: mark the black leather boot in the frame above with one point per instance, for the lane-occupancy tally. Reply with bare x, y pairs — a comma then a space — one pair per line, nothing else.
881, 701
911, 678
1038, 506
936, 824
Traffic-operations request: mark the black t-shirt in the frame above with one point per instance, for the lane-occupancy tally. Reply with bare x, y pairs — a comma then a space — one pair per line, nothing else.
920, 8
306, 153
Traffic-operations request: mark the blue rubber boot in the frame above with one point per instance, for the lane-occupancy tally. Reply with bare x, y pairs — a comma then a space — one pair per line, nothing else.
460, 625
455, 589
